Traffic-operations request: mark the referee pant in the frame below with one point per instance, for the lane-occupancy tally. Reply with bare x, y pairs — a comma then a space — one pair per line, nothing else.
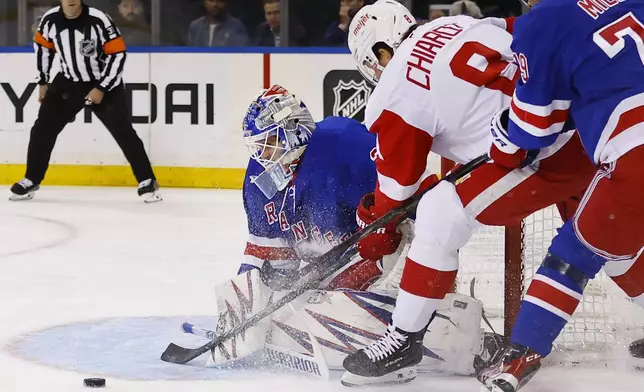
64, 99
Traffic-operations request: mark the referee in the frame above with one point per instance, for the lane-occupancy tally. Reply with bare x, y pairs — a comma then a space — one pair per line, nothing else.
92, 57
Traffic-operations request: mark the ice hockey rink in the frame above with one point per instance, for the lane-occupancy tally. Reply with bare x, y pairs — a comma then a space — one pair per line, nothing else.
94, 283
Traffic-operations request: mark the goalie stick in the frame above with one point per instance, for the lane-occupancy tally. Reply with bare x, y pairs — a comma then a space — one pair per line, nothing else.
311, 365
324, 266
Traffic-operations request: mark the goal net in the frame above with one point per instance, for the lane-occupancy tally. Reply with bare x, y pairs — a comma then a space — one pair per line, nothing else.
503, 260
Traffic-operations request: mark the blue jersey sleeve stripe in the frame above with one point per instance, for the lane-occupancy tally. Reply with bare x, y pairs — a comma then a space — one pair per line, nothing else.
539, 120
527, 140
538, 126
539, 110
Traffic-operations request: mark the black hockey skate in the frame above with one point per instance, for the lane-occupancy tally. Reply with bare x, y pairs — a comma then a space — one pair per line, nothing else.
23, 190
149, 191
390, 360
493, 348
512, 371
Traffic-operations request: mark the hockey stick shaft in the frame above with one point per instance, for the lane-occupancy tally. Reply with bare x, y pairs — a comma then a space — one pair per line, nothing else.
401, 212
326, 265
195, 330
280, 355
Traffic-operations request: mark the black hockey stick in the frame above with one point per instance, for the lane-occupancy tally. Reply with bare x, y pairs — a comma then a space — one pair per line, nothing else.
325, 265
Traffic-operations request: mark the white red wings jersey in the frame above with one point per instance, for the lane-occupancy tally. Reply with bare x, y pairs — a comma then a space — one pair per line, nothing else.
438, 93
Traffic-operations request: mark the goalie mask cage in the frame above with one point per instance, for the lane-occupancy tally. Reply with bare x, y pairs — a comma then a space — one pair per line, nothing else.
503, 260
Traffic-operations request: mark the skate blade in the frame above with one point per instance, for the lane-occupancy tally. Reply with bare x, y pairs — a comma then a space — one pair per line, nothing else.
152, 197
15, 197
509, 383
491, 388
402, 376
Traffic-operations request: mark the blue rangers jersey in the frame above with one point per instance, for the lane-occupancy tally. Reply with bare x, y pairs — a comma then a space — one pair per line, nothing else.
317, 210
585, 59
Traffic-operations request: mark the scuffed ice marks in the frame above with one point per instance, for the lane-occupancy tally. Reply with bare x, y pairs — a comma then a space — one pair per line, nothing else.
126, 348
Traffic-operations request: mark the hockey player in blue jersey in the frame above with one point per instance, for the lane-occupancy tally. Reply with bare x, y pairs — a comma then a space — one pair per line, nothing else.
580, 60
303, 185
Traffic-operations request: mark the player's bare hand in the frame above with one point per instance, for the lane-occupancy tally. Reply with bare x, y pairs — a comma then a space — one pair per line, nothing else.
94, 97
42, 92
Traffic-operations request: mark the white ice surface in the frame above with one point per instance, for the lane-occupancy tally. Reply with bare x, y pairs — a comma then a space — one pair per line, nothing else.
94, 282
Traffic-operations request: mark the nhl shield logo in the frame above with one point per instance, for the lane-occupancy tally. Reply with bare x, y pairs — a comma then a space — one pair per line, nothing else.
87, 47
351, 99
346, 94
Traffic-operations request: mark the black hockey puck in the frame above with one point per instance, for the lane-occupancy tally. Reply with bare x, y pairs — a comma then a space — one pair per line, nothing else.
94, 382
636, 349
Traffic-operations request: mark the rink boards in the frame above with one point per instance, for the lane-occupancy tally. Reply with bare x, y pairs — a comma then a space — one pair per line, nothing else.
187, 108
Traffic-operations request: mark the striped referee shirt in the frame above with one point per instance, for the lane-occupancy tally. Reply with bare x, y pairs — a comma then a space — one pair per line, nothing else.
90, 47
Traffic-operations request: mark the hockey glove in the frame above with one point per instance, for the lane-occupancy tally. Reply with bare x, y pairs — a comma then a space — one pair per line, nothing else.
384, 241
502, 151
278, 279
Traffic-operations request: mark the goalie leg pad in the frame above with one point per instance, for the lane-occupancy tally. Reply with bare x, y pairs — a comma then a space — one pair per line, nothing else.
238, 299
455, 334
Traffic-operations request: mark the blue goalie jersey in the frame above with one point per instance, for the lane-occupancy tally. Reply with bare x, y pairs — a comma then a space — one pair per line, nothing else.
317, 210
585, 59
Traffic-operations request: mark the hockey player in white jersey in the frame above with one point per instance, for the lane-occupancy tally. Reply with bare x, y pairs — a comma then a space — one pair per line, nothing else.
437, 87
328, 172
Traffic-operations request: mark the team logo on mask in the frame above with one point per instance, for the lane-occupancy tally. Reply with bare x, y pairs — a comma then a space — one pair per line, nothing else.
87, 47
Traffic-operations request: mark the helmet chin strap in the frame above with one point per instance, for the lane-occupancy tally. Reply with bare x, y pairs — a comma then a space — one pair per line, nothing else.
381, 69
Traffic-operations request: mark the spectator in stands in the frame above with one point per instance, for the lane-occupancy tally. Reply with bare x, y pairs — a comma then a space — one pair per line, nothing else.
9, 20
336, 34
217, 27
268, 33
8, 24
435, 13
134, 28
107, 5
465, 7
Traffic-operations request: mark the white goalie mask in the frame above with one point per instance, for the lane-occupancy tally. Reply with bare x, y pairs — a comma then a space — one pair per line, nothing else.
277, 128
386, 22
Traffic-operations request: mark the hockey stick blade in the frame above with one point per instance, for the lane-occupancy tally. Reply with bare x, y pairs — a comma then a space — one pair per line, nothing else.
323, 267
181, 355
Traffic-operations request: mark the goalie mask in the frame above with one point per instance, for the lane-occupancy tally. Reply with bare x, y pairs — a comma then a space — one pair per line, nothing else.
277, 128
383, 23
